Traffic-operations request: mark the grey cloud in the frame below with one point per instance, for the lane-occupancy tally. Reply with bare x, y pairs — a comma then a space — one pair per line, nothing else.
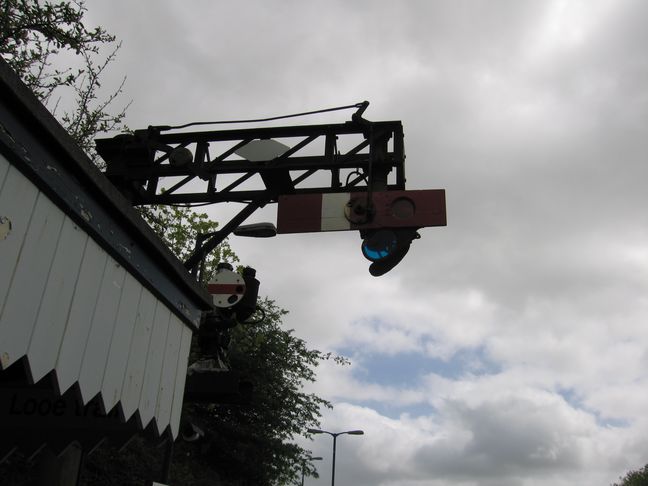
509, 438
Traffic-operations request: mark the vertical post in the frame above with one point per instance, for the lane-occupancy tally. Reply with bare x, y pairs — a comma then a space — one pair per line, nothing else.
378, 169
333, 473
304, 466
168, 459
378, 150
61, 470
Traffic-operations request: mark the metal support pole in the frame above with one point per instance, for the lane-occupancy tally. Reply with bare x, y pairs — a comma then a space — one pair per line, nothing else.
304, 466
333, 472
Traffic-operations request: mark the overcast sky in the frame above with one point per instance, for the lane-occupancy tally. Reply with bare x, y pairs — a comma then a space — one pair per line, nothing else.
509, 348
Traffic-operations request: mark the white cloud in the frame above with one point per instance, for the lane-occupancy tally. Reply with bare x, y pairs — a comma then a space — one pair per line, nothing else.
523, 439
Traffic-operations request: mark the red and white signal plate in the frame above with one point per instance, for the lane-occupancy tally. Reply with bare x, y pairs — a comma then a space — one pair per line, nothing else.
303, 213
227, 288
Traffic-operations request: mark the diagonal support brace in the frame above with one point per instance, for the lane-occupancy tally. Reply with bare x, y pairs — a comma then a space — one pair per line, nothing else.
217, 237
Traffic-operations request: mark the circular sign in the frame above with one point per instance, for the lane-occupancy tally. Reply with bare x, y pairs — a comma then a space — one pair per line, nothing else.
355, 211
227, 288
403, 208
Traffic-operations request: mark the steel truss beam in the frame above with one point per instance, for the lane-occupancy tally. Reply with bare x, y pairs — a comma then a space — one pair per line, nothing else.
143, 168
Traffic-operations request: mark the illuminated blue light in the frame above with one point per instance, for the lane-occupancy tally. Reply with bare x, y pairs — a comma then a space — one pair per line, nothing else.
379, 245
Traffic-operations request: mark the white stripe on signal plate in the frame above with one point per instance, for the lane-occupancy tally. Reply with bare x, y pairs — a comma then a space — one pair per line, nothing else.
333, 218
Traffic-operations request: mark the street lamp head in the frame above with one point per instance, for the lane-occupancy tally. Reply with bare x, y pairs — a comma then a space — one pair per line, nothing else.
350, 432
256, 230
335, 436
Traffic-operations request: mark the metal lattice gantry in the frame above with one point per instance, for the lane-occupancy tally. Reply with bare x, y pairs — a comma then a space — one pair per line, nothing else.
152, 166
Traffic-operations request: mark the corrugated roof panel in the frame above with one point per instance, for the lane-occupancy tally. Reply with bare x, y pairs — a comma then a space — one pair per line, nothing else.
71, 308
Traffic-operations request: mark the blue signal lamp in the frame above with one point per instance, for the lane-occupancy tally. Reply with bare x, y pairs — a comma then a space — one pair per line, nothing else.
386, 247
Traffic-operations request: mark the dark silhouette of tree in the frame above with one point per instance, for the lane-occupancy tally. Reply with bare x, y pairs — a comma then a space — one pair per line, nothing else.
34, 36
635, 478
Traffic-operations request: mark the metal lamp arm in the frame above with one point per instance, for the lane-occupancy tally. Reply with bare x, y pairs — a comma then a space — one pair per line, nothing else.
205, 248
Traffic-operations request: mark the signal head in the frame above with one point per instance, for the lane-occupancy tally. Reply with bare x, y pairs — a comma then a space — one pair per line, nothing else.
386, 247
379, 244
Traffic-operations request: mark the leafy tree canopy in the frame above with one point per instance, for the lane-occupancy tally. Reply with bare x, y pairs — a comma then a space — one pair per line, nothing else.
33, 37
635, 478
179, 227
253, 443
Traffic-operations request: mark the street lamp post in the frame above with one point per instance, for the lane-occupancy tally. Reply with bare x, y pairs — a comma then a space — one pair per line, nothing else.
304, 466
335, 436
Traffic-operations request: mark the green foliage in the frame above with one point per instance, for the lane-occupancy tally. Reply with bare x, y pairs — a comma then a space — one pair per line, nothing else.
179, 227
253, 444
635, 478
91, 114
31, 33
34, 36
